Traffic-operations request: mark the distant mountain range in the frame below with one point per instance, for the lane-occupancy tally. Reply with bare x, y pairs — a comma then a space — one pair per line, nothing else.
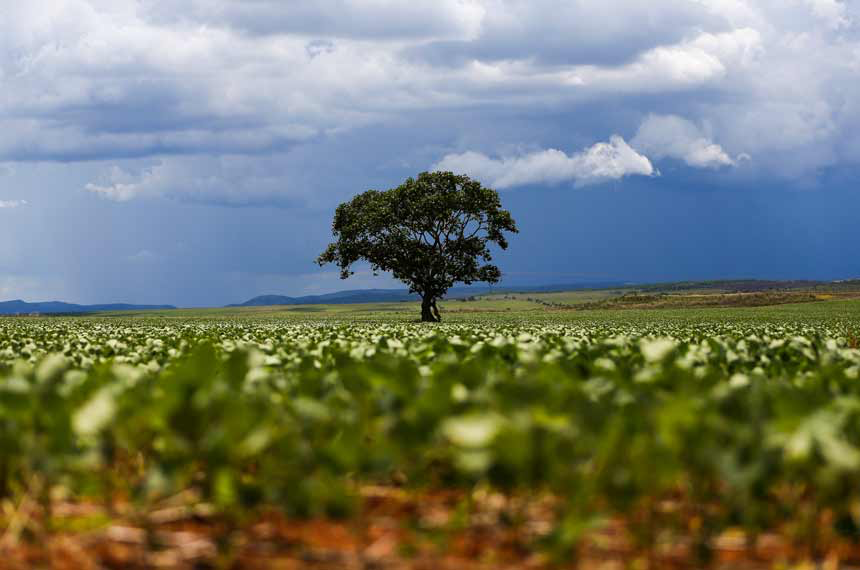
397, 295
341, 297
19, 307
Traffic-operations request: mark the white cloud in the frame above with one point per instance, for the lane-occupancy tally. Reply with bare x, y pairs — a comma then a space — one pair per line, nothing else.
707, 58
601, 162
228, 180
12, 203
145, 256
670, 136
122, 186
832, 12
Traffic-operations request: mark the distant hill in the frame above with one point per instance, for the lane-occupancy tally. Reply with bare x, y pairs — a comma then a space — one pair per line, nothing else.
341, 297
19, 307
397, 295
356, 296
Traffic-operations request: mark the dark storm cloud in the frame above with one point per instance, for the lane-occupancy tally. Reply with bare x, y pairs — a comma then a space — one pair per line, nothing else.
377, 19
91, 80
572, 33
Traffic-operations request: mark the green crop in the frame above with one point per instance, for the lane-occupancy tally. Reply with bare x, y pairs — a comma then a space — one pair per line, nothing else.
748, 425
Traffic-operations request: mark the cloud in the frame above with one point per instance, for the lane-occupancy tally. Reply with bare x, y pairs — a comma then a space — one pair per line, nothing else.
12, 203
706, 59
194, 83
559, 33
226, 180
373, 19
601, 162
145, 256
122, 186
833, 12
670, 136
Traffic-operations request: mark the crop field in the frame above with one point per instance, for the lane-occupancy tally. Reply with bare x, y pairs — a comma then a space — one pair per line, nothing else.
351, 437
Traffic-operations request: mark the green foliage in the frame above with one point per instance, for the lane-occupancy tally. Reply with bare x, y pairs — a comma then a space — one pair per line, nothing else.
430, 232
751, 424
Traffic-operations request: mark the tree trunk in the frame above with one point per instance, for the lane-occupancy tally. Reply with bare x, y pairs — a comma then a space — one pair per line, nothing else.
436, 312
427, 309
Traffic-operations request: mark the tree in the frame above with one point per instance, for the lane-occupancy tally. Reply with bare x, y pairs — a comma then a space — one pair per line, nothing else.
429, 232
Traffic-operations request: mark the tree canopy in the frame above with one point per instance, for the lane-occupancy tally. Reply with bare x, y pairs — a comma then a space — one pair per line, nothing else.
430, 232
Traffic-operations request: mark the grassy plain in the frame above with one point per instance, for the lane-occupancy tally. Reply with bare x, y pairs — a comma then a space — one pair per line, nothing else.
578, 307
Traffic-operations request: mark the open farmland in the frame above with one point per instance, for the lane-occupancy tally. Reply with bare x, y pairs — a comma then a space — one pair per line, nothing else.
350, 437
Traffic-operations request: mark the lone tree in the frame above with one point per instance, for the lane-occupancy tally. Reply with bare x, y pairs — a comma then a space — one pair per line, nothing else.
429, 232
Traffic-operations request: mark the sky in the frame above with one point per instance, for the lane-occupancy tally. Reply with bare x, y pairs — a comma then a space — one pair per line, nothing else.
192, 152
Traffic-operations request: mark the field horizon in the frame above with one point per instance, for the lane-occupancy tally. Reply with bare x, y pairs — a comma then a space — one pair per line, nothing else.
559, 296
